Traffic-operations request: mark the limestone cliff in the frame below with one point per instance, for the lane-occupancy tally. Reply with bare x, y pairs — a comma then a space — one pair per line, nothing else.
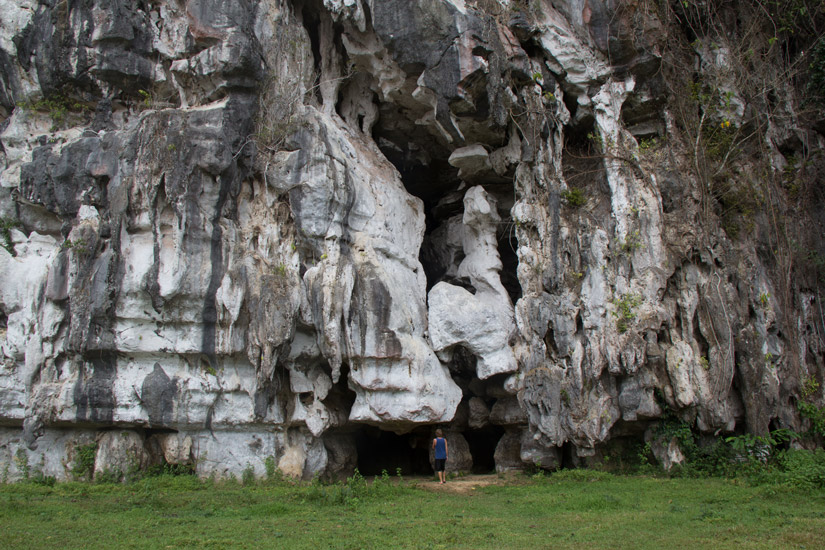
303, 233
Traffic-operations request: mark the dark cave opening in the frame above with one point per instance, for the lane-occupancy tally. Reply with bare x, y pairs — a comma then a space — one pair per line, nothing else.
379, 450
482, 443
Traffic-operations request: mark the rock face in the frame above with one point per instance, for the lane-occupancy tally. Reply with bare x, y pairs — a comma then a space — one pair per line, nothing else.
301, 233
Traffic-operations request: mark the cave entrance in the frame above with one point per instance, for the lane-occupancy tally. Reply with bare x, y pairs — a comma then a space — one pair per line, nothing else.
379, 450
482, 444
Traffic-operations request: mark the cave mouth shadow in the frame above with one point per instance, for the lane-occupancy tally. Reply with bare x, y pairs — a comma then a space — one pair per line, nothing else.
482, 443
379, 451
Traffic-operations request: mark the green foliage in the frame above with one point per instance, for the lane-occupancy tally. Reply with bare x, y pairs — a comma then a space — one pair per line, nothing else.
78, 245
272, 471
631, 242
759, 459
84, 461
649, 144
248, 475
6, 225
109, 476
39, 478
574, 197
808, 408
803, 468
58, 107
601, 144
759, 445
355, 491
172, 470
21, 459
625, 310
147, 100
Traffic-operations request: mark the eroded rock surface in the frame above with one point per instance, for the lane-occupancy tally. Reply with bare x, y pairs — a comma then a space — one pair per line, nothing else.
243, 235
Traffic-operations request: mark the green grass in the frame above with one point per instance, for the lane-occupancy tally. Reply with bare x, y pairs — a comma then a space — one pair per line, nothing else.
573, 509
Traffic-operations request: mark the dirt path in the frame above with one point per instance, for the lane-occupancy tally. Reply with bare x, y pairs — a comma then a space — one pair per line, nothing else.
466, 484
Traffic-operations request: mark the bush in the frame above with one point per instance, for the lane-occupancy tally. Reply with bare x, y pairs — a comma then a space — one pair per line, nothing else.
84, 461
574, 197
804, 468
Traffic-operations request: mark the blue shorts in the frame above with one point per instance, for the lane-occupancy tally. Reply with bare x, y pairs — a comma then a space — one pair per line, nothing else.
440, 463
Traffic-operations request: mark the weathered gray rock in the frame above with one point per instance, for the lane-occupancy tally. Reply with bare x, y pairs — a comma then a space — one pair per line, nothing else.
479, 414
247, 229
507, 411
120, 453
508, 452
483, 320
540, 456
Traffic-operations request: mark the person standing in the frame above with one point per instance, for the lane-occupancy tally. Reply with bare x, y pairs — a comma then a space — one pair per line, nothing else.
440, 447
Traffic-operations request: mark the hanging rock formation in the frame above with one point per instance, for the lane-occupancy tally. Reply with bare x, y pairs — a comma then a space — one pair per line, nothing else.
304, 233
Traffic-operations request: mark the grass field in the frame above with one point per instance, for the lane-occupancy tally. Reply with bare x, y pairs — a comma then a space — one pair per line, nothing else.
572, 509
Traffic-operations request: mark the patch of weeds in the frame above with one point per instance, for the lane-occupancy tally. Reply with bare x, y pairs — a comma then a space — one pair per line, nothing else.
647, 145
147, 99
625, 310
172, 470
803, 468
248, 475
354, 491
84, 461
78, 245
630, 243
574, 197
108, 476
272, 471
39, 478
58, 107
6, 225
21, 459
601, 144
808, 408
